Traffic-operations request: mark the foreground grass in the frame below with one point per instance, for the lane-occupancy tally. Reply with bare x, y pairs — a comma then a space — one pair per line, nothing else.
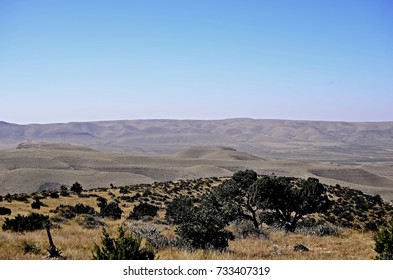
77, 243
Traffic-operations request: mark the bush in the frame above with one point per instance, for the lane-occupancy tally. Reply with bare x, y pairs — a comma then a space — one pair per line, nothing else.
54, 195
5, 211
64, 191
384, 243
37, 204
69, 211
33, 221
111, 210
30, 247
153, 235
177, 209
203, 227
89, 221
76, 188
143, 210
127, 246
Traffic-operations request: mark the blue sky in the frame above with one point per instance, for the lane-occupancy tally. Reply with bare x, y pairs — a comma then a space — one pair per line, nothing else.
64, 61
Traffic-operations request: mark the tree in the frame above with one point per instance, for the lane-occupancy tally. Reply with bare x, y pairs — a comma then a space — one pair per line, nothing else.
235, 196
76, 188
126, 246
289, 198
384, 243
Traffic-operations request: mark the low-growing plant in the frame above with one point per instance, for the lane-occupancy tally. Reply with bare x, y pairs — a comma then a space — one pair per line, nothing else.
384, 243
69, 211
29, 247
5, 211
126, 246
90, 221
76, 188
111, 210
143, 210
33, 221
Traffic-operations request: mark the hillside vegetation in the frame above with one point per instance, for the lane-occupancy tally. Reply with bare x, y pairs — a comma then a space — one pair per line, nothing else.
341, 225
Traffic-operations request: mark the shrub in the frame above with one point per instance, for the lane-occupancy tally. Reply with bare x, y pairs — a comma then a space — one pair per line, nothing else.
69, 211
384, 243
76, 188
111, 210
143, 210
33, 221
23, 197
54, 195
203, 227
153, 235
64, 191
5, 211
36, 204
126, 246
30, 247
177, 209
89, 221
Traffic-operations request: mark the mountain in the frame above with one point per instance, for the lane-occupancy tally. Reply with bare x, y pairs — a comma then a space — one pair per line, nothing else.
319, 140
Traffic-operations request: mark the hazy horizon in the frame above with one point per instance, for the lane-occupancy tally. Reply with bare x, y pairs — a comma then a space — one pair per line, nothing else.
78, 61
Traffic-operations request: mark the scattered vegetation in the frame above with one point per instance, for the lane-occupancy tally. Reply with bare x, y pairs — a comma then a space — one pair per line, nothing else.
246, 216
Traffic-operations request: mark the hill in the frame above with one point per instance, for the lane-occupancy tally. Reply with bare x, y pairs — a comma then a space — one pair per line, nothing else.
337, 141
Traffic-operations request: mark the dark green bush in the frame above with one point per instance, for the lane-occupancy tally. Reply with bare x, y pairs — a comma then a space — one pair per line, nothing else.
36, 204
69, 211
111, 210
33, 221
177, 209
5, 211
64, 191
143, 210
76, 188
54, 195
384, 243
126, 246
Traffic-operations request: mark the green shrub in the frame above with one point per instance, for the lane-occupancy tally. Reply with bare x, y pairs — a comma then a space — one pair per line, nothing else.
143, 210
76, 188
64, 191
177, 209
36, 204
111, 210
5, 211
69, 211
33, 221
126, 246
54, 195
384, 243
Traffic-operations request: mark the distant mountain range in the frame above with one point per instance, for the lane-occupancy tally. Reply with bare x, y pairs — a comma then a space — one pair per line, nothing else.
319, 140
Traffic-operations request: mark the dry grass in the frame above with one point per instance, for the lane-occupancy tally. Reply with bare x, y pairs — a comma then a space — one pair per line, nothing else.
351, 245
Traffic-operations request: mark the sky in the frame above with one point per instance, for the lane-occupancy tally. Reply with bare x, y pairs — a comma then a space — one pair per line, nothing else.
74, 60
